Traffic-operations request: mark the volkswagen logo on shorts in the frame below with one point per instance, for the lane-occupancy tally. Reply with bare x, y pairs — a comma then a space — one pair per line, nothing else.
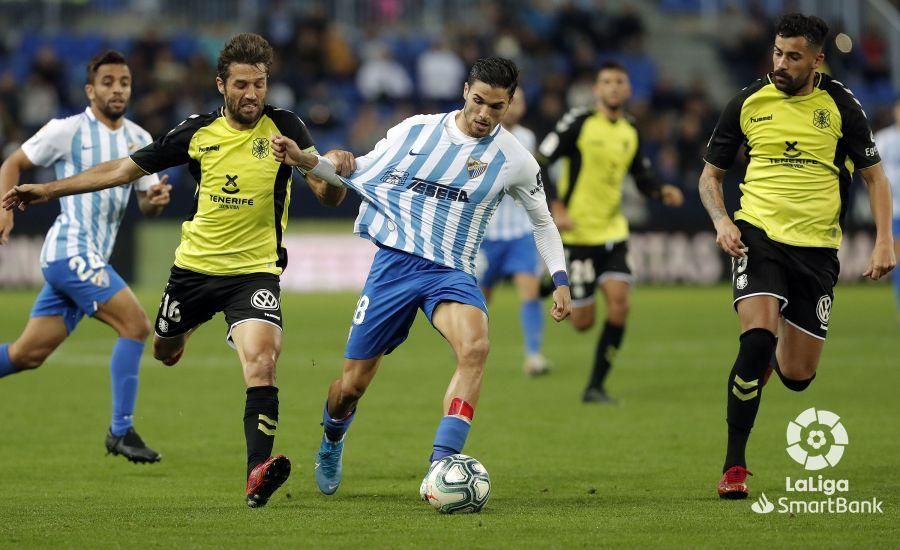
823, 309
264, 299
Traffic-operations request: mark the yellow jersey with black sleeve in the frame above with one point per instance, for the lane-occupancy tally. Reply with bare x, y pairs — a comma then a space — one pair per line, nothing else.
802, 152
596, 153
241, 201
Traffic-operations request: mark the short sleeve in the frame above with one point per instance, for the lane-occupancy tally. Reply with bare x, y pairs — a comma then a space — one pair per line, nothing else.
857, 139
728, 136
290, 125
172, 149
50, 143
561, 142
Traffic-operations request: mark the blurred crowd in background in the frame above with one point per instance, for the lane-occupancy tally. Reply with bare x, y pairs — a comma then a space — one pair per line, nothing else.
350, 83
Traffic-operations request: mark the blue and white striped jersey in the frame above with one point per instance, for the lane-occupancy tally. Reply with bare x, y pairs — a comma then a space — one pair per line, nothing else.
87, 223
510, 221
430, 190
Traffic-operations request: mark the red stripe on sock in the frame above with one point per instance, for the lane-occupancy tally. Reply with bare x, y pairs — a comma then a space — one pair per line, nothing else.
461, 408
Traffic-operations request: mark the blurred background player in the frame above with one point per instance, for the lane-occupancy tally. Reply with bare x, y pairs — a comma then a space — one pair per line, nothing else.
785, 237
598, 148
888, 142
229, 259
76, 250
429, 189
508, 250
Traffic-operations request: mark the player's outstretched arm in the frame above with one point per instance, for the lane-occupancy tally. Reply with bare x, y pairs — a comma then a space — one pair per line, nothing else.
326, 193
155, 198
728, 236
103, 176
882, 260
10, 172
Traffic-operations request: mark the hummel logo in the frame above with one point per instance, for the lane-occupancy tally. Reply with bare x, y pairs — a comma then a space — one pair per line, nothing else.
415, 154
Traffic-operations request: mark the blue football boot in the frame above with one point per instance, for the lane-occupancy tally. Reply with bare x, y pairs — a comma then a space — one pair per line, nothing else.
329, 469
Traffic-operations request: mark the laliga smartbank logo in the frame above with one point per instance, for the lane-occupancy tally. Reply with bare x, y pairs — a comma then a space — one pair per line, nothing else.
816, 439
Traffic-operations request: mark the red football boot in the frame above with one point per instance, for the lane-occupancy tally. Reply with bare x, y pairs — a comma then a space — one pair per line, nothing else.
265, 479
733, 484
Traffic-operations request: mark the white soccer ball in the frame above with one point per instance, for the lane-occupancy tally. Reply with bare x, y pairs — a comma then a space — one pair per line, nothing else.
457, 484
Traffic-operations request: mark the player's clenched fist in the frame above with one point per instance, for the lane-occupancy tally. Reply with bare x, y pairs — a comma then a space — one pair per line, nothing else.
562, 303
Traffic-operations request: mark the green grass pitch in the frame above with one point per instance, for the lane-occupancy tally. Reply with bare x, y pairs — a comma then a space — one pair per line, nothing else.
564, 474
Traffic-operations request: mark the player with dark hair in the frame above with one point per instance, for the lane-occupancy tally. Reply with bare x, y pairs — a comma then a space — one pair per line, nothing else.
77, 248
428, 191
806, 133
508, 251
598, 147
231, 251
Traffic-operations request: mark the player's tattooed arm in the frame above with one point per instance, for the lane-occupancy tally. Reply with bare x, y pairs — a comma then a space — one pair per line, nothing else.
103, 176
728, 236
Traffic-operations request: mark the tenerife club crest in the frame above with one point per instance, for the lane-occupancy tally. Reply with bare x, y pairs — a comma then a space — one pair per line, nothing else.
822, 118
260, 148
475, 167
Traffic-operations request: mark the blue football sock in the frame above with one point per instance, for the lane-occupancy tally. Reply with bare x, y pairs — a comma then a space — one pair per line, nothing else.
532, 326
6, 366
335, 429
450, 437
123, 373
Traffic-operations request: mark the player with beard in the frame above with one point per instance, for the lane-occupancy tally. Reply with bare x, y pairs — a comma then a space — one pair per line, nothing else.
598, 147
805, 134
231, 254
77, 248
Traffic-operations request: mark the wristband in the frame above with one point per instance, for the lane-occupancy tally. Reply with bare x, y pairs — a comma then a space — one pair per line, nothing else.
560, 278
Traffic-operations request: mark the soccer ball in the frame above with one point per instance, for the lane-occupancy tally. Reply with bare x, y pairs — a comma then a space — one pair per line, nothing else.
457, 484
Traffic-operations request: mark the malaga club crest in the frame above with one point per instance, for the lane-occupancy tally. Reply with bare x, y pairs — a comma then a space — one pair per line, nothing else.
475, 167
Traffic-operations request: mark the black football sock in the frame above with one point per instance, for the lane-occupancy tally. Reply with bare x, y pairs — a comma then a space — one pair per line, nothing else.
260, 421
607, 347
745, 391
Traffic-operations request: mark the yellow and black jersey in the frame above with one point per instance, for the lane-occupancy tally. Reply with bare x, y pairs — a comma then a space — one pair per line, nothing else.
802, 151
241, 201
596, 154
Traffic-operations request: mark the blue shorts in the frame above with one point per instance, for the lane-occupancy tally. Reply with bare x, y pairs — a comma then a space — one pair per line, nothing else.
399, 284
499, 259
76, 287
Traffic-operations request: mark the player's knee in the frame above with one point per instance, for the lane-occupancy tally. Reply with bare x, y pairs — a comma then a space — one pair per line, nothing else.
260, 368
30, 358
137, 328
582, 323
473, 353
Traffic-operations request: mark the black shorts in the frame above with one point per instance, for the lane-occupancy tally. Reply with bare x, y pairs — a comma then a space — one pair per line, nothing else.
192, 298
590, 265
802, 278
